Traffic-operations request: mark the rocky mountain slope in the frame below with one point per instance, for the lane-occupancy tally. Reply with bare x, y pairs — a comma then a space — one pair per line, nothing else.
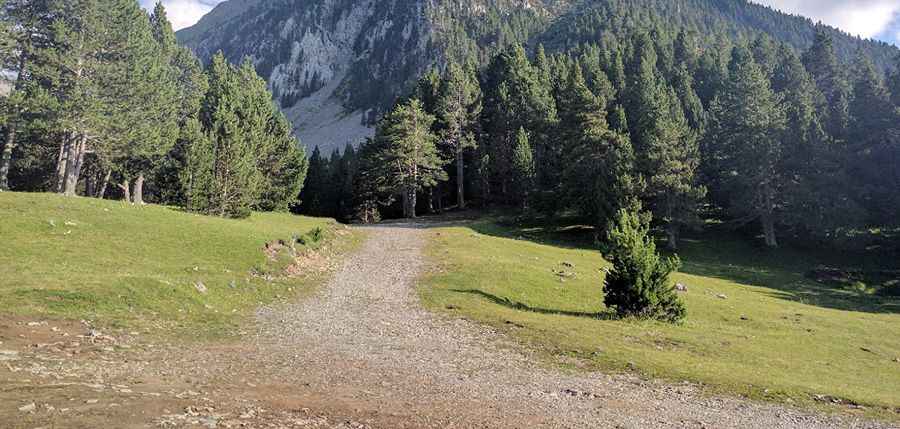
334, 65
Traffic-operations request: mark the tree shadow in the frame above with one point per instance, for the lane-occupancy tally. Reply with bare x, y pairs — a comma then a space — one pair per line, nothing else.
514, 305
726, 255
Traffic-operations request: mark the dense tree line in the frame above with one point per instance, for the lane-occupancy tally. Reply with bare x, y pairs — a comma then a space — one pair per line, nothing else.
104, 96
799, 144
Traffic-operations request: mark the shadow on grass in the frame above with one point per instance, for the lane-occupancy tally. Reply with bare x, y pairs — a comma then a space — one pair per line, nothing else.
730, 257
508, 303
725, 255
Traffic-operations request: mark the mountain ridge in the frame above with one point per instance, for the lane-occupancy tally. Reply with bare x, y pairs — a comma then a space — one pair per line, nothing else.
335, 65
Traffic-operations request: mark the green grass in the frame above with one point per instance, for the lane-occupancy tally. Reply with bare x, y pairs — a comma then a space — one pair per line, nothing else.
137, 267
776, 335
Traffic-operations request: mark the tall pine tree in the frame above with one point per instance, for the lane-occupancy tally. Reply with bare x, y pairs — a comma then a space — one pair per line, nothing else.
747, 123
459, 106
408, 155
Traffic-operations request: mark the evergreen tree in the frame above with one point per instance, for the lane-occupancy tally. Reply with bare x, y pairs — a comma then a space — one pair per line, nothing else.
523, 167
672, 159
225, 179
817, 195
20, 25
459, 107
894, 82
408, 158
348, 171
247, 158
747, 123
313, 195
515, 97
871, 110
873, 120
138, 85
599, 163
822, 63
638, 284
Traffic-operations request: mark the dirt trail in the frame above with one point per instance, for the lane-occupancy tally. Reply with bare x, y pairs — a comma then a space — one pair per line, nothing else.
363, 353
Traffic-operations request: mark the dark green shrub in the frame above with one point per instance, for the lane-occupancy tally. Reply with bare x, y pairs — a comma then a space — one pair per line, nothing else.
312, 238
638, 284
890, 288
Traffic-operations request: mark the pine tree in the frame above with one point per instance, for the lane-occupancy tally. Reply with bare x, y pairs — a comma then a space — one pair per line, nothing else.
690, 101
19, 26
599, 163
515, 97
822, 63
458, 107
138, 85
747, 123
638, 284
247, 158
225, 179
409, 157
313, 194
894, 82
873, 120
672, 159
817, 195
523, 167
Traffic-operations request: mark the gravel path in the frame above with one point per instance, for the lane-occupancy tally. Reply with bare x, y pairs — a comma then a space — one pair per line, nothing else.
365, 343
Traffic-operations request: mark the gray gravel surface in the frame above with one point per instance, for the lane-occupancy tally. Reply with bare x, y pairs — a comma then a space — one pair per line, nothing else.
365, 343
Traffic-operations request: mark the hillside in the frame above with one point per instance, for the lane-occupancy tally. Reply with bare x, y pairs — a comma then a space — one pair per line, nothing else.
334, 66
758, 326
117, 264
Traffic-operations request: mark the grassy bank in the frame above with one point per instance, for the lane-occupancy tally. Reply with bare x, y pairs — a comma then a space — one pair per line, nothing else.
146, 267
756, 326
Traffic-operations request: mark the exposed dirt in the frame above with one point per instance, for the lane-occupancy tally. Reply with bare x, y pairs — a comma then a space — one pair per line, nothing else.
361, 353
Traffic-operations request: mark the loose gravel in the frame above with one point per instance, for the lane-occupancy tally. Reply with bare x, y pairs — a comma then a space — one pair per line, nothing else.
366, 342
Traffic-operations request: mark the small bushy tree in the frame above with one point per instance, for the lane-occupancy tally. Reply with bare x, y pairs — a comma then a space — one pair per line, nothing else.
638, 283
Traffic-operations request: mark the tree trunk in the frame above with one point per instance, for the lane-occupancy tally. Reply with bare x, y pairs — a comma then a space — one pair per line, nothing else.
61, 162
138, 196
126, 188
79, 159
672, 236
431, 200
409, 203
768, 218
13, 115
70, 180
768, 225
6, 158
102, 192
460, 183
90, 186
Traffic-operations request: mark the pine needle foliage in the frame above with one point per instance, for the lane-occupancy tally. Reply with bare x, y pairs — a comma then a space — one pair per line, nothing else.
638, 284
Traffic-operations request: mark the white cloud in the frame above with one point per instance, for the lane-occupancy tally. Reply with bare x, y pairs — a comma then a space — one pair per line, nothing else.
184, 13
866, 18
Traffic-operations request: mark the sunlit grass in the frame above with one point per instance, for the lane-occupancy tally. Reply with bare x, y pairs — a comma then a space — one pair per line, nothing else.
139, 267
756, 326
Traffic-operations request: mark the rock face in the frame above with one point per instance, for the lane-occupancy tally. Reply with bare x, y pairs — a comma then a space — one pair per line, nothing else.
335, 65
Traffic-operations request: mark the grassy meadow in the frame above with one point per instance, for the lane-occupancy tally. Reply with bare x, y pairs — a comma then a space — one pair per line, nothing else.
756, 326
144, 267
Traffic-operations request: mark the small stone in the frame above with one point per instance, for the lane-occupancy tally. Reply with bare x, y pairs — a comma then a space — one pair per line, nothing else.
200, 287
680, 287
92, 401
28, 408
722, 296
745, 318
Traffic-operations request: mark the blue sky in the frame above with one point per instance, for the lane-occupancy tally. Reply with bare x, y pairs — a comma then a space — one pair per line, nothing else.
878, 19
